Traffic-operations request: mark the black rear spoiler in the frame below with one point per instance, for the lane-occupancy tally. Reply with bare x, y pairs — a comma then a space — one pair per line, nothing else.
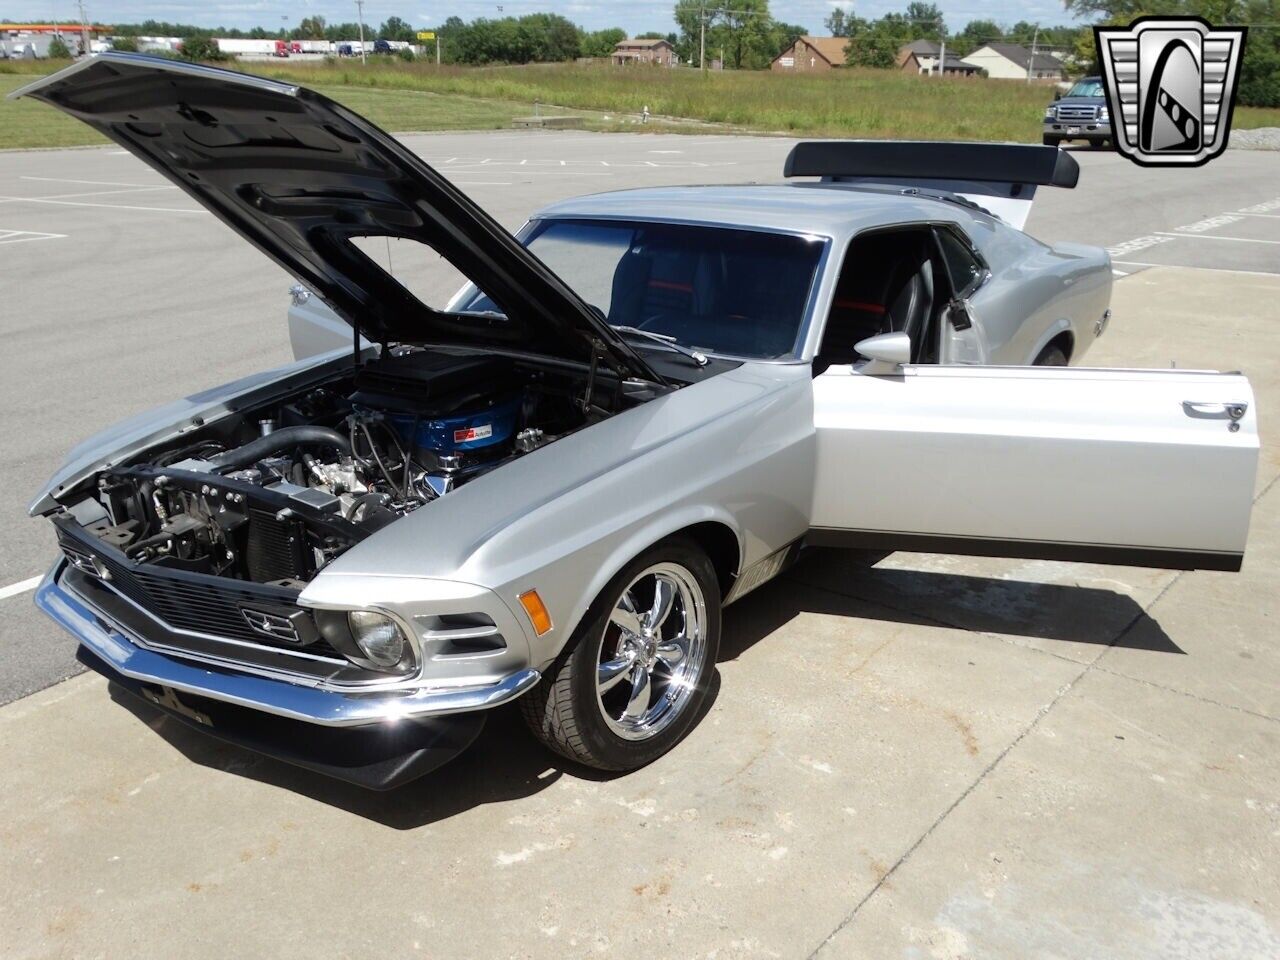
899, 160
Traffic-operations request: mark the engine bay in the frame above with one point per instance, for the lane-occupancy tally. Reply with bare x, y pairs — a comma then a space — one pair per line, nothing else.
274, 493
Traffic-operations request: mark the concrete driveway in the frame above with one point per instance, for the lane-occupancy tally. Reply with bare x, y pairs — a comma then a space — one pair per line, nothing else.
928, 758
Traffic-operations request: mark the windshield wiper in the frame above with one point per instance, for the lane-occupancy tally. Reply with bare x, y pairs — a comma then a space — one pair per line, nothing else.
667, 341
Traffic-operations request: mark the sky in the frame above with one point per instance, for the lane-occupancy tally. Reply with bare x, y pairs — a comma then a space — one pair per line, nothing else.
634, 16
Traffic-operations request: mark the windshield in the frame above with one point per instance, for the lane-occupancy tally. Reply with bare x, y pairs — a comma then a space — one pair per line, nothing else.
738, 293
1089, 87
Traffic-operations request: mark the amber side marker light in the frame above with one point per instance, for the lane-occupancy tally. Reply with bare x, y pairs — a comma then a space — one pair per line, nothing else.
537, 611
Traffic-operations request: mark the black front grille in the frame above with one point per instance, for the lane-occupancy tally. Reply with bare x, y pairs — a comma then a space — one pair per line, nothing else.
196, 602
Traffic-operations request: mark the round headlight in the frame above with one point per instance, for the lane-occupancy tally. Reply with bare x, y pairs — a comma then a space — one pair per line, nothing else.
378, 637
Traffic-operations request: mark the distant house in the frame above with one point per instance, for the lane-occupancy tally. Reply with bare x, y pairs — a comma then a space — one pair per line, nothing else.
916, 61
812, 53
923, 50
1012, 61
644, 51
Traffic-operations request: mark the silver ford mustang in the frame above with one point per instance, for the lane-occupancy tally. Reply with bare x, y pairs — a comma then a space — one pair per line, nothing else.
548, 487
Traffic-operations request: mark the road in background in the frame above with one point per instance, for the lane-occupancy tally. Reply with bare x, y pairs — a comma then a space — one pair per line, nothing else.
120, 293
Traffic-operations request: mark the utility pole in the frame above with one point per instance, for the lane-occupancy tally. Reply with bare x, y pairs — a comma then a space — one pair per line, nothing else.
942, 55
84, 30
1035, 39
702, 38
437, 48
360, 16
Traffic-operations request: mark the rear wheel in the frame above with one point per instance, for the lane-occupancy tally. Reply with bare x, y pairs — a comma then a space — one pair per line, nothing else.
636, 673
1051, 356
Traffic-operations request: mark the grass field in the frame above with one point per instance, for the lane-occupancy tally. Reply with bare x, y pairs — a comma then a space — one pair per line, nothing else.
845, 103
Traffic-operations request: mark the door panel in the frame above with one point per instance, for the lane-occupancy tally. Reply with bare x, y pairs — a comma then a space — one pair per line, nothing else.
1123, 466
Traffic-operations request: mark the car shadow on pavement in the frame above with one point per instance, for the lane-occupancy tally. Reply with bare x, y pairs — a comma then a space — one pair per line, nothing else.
504, 763
845, 583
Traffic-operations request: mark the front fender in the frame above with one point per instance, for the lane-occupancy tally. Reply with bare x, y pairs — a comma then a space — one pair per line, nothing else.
637, 540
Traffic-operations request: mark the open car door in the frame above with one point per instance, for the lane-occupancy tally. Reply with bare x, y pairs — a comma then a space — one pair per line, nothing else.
1139, 467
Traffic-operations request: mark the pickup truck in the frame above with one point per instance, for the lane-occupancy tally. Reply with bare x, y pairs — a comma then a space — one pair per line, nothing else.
1079, 115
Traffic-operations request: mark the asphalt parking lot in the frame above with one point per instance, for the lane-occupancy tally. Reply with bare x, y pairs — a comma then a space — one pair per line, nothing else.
929, 758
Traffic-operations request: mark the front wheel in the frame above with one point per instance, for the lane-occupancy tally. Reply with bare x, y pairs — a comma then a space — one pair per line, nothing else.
636, 673
1052, 141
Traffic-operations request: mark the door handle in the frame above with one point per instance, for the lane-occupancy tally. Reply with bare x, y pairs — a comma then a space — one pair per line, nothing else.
1233, 410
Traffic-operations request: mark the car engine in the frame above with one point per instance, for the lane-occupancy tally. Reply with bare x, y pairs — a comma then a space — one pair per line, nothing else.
273, 494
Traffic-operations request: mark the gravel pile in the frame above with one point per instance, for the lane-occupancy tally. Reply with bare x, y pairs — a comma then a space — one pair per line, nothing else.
1264, 138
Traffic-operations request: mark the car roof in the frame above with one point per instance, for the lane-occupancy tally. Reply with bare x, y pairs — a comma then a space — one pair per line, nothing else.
823, 209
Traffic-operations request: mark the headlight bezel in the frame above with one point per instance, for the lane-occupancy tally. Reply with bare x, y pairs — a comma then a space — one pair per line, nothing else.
343, 634
1050, 113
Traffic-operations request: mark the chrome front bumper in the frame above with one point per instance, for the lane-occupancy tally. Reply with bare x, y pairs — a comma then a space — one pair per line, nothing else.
1085, 129
327, 708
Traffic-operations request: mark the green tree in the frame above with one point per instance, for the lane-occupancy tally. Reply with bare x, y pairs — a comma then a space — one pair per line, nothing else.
876, 43
342, 31
600, 43
974, 35
396, 29
201, 47
311, 28
784, 35
125, 44
926, 21
58, 50
838, 22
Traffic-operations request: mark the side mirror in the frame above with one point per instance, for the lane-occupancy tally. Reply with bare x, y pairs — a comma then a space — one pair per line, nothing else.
1057, 95
886, 351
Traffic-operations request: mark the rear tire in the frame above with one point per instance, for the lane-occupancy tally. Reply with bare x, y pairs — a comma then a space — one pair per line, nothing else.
1051, 356
635, 676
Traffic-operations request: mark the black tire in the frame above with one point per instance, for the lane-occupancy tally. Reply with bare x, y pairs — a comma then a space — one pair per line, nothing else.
1051, 356
1097, 144
1052, 141
565, 710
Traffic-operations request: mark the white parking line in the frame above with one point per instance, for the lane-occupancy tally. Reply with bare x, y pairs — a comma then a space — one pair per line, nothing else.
104, 206
98, 183
22, 236
21, 586
1183, 266
92, 193
1206, 236
1254, 213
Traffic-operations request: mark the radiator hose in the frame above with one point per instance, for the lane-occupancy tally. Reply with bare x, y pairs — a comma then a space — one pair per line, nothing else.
285, 438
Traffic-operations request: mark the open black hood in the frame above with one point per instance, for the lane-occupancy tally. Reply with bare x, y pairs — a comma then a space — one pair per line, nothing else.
299, 175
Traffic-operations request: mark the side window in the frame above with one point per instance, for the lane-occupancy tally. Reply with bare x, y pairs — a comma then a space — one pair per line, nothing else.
963, 265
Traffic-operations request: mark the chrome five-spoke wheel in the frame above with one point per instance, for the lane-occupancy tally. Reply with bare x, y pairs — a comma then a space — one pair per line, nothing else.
651, 651
638, 671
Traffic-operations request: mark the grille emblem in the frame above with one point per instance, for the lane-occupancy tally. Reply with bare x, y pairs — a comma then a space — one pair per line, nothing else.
87, 562
1171, 84
273, 625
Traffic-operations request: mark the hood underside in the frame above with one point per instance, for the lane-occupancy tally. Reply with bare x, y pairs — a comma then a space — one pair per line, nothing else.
300, 176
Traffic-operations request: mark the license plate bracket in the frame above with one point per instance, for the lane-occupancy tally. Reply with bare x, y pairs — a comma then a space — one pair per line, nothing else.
166, 698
